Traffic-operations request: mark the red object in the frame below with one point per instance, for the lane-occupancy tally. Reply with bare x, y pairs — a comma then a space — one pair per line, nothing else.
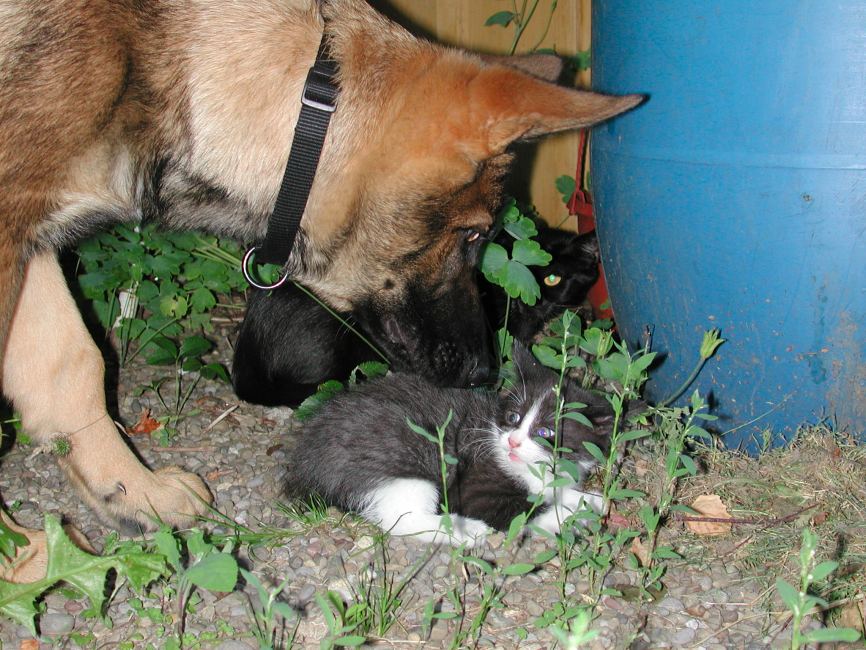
580, 205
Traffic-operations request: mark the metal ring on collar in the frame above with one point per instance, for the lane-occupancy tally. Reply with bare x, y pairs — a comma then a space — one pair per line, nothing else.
249, 259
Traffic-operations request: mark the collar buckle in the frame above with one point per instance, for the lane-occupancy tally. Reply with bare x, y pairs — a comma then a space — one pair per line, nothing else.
320, 91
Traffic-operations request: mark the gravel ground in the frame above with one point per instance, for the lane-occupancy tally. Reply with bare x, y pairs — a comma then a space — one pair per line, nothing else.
708, 602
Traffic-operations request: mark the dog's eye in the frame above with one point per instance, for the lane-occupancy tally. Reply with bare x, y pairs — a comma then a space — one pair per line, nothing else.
512, 417
552, 280
472, 235
545, 432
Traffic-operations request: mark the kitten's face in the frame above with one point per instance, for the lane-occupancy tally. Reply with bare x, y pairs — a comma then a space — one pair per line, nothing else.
526, 421
573, 269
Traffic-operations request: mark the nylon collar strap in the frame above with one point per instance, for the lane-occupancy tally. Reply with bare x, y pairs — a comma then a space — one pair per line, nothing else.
318, 103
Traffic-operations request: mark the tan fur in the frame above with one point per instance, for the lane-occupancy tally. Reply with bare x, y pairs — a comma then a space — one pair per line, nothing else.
182, 111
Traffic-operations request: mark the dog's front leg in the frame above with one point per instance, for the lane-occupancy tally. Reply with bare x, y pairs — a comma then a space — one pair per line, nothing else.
53, 373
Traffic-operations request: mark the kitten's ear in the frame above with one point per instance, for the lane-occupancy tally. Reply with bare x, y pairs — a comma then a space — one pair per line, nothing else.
588, 244
523, 357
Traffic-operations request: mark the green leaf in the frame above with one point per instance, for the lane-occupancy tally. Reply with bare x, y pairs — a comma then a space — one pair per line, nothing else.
194, 346
516, 526
350, 641
518, 281
666, 553
202, 299
545, 556
634, 434
566, 185
823, 569
493, 258
595, 451
523, 228
421, 431
642, 362
547, 356
518, 569
501, 18
529, 252
309, 406
622, 493
484, 565
830, 634
570, 468
168, 545
688, 464
372, 369
196, 544
215, 371
214, 572
577, 416
789, 595
83, 571
10, 540
449, 459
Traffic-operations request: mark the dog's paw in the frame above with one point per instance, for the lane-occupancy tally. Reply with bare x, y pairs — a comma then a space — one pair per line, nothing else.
148, 499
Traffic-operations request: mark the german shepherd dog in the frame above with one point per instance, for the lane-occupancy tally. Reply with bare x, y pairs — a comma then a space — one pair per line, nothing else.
182, 112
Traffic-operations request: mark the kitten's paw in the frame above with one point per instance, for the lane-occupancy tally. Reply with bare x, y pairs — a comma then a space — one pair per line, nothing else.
468, 531
568, 503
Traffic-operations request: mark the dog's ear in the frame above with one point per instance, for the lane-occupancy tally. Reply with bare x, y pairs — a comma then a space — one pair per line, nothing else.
517, 106
543, 66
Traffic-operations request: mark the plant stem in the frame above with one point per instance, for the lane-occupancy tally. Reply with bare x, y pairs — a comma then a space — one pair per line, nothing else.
342, 320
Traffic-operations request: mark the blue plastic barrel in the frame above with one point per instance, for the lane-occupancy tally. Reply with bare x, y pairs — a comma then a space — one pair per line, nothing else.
735, 198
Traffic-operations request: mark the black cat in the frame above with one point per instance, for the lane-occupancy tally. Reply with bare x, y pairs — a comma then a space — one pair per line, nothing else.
359, 454
564, 283
288, 344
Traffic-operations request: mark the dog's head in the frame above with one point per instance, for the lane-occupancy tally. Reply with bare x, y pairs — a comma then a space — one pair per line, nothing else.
413, 168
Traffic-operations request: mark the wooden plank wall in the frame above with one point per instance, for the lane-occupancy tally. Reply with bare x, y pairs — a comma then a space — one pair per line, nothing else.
461, 23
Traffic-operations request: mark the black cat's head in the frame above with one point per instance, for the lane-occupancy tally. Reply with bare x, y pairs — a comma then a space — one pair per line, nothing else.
568, 277
526, 420
564, 282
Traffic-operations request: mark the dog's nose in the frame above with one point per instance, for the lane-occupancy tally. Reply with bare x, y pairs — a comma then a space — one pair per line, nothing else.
479, 375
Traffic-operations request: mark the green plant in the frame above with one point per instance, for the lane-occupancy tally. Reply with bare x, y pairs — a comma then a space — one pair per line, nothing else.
801, 602
149, 285
509, 269
338, 621
265, 615
329, 388
207, 567
188, 370
520, 17
82, 571
154, 291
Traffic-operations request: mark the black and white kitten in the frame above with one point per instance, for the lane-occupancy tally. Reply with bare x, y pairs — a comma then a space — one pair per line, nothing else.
359, 454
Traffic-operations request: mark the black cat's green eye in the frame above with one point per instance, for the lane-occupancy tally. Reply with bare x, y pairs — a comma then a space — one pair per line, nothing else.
545, 432
552, 280
512, 417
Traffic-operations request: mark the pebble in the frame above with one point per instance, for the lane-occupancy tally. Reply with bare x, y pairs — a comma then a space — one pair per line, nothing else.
54, 624
670, 605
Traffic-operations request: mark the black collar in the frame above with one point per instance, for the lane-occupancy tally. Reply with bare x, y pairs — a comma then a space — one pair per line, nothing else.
318, 102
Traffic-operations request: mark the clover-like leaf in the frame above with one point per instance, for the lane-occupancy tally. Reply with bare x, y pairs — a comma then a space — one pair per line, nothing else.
518, 281
529, 252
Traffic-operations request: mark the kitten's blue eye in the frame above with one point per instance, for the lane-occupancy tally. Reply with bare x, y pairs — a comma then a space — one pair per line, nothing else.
545, 432
512, 417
